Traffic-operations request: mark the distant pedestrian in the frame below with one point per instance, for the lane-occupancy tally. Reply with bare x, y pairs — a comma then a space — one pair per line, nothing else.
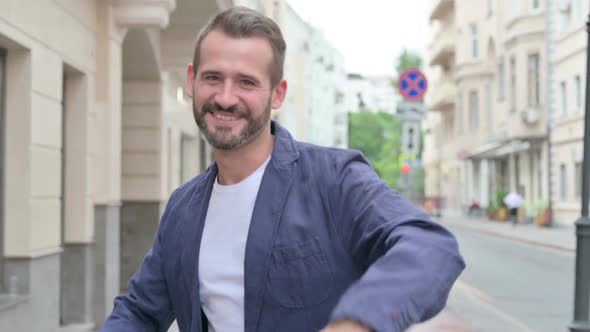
513, 201
474, 208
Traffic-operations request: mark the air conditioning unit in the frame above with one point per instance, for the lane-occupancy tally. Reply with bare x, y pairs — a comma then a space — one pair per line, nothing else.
530, 116
564, 5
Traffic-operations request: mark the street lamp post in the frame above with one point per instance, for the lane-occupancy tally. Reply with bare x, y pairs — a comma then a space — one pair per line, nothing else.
581, 321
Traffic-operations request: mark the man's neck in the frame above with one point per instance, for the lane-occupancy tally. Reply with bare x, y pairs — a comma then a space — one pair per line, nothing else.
236, 165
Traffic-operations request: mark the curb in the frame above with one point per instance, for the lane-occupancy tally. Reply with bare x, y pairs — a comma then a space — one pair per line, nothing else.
509, 237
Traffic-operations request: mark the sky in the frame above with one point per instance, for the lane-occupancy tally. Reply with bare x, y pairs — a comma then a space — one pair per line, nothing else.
369, 33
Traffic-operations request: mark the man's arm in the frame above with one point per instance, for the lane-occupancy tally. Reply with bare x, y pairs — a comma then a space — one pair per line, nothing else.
410, 261
147, 306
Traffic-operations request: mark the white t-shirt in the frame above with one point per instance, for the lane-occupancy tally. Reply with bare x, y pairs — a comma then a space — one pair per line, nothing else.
513, 200
223, 249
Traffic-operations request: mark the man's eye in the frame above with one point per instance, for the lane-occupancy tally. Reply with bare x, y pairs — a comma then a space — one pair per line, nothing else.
247, 83
211, 78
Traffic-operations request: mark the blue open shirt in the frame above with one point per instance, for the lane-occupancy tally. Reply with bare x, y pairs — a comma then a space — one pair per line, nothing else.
328, 240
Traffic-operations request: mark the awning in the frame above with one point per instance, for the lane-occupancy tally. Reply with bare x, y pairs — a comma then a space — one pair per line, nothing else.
499, 149
510, 148
482, 151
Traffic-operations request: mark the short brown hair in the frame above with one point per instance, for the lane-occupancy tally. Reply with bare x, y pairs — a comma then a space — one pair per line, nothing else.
242, 22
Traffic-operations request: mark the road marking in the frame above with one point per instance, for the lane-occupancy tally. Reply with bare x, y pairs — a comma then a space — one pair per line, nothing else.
485, 301
474, 291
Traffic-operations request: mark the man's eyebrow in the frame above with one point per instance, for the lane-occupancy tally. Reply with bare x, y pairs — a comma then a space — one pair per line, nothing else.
250, 77
210, 72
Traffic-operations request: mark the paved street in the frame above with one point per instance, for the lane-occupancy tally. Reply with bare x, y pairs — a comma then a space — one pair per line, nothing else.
512, 286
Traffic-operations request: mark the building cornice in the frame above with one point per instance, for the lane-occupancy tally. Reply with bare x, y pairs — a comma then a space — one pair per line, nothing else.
224, 4
143, 13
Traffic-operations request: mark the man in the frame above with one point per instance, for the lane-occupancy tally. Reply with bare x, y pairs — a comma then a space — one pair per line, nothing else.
279, 235
513, 201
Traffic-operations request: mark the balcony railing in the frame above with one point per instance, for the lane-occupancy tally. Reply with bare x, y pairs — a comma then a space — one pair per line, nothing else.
442, 48
440, 8
442, 95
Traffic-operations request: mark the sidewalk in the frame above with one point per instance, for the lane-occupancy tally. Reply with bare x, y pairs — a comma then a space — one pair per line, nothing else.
559, 236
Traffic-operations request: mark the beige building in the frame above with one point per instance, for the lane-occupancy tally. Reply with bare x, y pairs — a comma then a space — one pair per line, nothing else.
96, 133
569, 41
487, 127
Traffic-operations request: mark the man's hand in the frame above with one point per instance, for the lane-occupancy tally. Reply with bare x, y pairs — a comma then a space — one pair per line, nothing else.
346, 325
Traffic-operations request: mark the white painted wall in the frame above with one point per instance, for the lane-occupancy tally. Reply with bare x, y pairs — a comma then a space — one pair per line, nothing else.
314, 71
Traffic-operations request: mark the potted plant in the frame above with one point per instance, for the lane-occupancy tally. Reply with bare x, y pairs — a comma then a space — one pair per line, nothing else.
544, 215
492, 209
502, 212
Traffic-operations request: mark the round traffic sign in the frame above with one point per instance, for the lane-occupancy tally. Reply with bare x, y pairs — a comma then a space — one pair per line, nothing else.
412, 84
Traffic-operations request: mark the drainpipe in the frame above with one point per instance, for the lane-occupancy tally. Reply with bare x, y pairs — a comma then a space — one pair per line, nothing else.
549, 100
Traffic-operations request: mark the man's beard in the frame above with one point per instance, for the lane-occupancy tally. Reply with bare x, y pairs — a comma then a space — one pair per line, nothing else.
221, 137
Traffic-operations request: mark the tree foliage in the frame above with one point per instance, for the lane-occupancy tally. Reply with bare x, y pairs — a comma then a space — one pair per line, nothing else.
406, 60
377, 135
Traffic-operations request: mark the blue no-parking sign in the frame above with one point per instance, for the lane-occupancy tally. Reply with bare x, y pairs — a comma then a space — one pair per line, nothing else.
412, 85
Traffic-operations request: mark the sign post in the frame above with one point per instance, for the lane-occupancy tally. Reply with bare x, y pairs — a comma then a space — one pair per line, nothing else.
412, 86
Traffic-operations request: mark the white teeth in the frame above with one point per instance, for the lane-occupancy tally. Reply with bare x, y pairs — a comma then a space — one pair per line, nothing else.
224, 117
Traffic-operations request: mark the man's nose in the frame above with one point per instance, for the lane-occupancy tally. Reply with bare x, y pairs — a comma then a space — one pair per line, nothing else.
227, 96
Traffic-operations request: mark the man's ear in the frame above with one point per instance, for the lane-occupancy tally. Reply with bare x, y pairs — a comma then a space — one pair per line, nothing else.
190, 80
278, 94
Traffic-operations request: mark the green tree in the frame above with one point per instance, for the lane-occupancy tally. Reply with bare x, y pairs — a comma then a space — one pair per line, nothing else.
377, 135
406, 60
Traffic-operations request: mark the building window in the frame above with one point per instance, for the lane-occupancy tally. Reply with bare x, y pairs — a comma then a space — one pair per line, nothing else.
539, 175
488, 110
474, 49
535, 5
513, 83
501, 80
564, 14
517, 173
576, 12
534, 93
276, 11
187, 161
562, 182
578, 93
459, 118
563, 96
578, 177
514, 9
504, 173
490, 8
203, 159
473, 111
448, 121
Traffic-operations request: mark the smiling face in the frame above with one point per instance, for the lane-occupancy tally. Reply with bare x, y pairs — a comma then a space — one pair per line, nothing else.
231, 89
